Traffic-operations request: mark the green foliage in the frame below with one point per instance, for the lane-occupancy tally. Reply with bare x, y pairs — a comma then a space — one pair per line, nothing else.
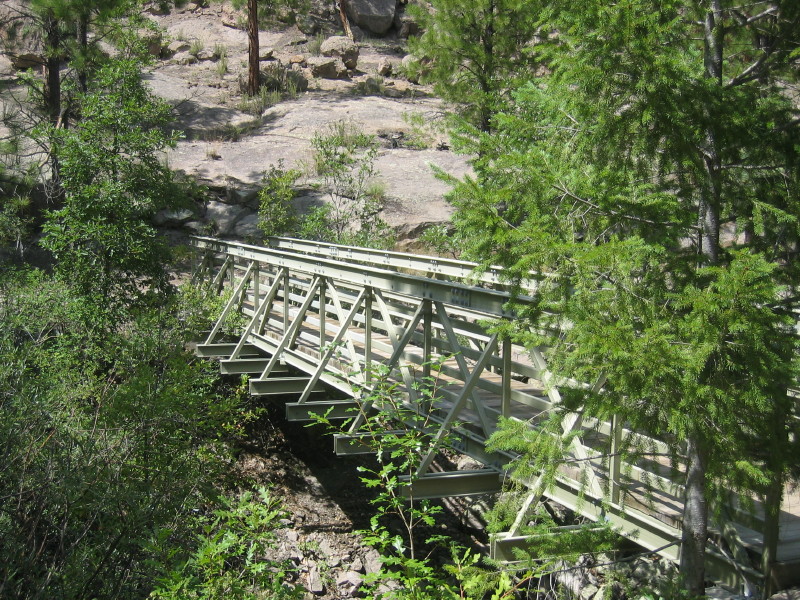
474, 53
617, 173
15, 224
276, 214
104, 444
345, 159
277, 84
114, 182
196, 47
228, 557
439, 238
314, 45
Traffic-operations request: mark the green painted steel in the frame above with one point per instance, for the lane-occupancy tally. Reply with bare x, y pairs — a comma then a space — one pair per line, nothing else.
320, 317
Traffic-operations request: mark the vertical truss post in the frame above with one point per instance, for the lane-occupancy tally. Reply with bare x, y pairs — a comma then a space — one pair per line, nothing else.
322, 312
256, 284
232, 272
505, 401
615, 463
286, 300
368, 336
427, 342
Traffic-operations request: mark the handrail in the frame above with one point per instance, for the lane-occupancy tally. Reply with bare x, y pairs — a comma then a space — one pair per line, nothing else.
467, 271
492, 303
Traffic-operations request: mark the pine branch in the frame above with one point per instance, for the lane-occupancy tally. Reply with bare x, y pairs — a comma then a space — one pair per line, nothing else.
614, 213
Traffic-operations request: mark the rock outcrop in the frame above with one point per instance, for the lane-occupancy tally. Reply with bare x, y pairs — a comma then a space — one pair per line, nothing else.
341, 47
376, 16
327, 67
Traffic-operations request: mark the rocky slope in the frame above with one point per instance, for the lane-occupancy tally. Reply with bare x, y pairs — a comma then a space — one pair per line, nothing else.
229, 143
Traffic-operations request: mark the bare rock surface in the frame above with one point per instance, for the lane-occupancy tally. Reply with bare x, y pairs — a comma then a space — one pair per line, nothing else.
227, 146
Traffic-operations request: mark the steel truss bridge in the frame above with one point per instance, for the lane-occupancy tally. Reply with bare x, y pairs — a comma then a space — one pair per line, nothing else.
317, 322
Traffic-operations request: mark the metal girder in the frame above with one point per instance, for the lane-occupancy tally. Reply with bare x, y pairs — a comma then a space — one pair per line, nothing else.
246, 366
224, 350
361, 443
502, 545
436, 265
275, 386
330, 409
452, 484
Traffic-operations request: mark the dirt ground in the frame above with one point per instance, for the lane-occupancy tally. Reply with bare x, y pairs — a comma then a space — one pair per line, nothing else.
326, 504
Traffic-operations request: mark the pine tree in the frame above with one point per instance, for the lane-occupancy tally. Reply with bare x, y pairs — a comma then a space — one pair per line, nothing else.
474, 52
659, 127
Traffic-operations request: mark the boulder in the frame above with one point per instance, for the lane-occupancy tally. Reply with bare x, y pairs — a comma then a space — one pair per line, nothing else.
224, 216
315, 584
376, 16
158, 9
246, 228
184, 58
206, 54
341, 47
327, 67
6, 68
20, 39
25, 60
384, 67
405, 24
266, 54
173, 218
177, 46
154, 41
311, 24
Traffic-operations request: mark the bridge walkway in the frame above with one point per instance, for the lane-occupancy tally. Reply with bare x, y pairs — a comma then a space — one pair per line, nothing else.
328, 324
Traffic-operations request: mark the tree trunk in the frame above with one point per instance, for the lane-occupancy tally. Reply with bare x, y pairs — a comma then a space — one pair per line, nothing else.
773, 496
695, 519
82, 37
253, 72
52, 65
52, 96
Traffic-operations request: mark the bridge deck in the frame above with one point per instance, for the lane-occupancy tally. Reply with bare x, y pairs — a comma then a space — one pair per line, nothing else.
337, 316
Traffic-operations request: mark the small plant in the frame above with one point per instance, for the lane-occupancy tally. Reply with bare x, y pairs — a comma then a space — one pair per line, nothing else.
212, 152
396, 433
276, 215
196, 47
439, 238
277, 83
315, 46
256, 105
423, 129
345, 159
220, 51
222, 66
229, 555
